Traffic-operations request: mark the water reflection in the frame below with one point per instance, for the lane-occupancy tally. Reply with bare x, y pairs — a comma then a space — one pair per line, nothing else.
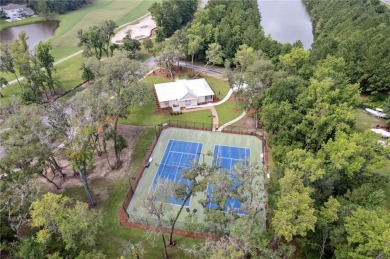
36, 32
286, 21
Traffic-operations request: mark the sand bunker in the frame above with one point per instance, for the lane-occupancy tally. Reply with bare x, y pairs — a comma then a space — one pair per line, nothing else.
141, 30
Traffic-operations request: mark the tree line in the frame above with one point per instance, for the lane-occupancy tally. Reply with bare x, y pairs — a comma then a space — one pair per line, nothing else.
36, 67
87, 127
329, 197
359, 32
326, 197
45, 7
170, 15
326, 170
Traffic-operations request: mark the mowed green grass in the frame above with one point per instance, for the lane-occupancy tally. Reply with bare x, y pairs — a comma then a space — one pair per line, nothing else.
112, 237
5, 25
9, 77
65, 39
227, 112
67, 73
220, 87
117, 10
145, 115
365, 121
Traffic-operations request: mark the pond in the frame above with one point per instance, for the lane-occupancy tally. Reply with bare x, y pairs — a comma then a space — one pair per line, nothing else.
36, 32
286, 21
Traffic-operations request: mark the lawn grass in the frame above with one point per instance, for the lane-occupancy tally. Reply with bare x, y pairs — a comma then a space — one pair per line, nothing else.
62, 52
145, 116
219, 87
9, 77
365, 121
8, 92
113, 237
67, 73
94, 14
4, 24
226, 112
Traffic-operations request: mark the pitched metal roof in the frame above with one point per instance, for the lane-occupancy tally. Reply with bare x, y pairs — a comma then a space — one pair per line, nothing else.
178, 90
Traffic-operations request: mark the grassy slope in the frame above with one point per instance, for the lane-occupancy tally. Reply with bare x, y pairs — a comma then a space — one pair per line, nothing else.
113, 237
365, 121
5, 25
67, 73
220, 87
226, 112
65, 39
145, 115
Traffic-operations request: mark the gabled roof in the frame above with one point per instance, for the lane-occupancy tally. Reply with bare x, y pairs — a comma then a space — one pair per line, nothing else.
13, 6
178, 90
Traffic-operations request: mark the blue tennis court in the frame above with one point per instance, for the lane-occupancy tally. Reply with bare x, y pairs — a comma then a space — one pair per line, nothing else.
227, 157
178, 156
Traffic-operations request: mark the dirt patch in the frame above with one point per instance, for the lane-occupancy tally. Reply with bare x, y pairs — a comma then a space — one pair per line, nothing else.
164, 111
101, 170
176, 70
248, 121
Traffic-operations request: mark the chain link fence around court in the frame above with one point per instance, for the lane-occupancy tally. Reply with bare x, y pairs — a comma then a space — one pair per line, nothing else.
127, 220
207, 126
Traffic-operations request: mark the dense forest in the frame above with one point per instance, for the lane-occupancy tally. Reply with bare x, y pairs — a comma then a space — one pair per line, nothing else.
55, 6
325, 181
359, 32
49, 6
326, 197
170, 15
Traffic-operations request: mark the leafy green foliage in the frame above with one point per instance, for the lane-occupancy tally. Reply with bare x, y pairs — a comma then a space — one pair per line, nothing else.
294, 214
56, 216
131, 46
170, 15
148, 44
359, 32
56, 6
368, 234
96, 39
297, 62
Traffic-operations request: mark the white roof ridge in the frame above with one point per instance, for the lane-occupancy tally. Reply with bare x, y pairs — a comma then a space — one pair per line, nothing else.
191, 91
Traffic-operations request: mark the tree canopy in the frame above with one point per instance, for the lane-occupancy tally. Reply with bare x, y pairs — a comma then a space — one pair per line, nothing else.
359, 32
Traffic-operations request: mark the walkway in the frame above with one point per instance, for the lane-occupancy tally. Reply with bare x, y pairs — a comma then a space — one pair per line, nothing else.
211, 107
55, 63
213, 112
213, 104
232, 122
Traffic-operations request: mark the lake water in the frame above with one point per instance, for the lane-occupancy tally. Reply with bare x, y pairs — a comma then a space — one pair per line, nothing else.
36, 32
286, 21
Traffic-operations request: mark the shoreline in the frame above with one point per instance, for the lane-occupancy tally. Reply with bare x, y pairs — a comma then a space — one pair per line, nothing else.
5, 25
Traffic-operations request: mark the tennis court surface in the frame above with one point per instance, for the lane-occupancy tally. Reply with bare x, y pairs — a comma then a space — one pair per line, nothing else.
178, 156
226, 158
175, 151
